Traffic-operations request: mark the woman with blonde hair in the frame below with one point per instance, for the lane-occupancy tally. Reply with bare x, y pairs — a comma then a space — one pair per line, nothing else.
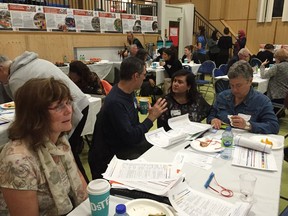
278, 74
38, 173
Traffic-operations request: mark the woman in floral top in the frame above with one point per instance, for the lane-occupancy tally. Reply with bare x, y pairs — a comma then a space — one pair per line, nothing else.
184, 98
38, 174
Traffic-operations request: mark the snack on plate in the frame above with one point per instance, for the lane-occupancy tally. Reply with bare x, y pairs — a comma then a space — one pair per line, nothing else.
95, 59
266, 141
205, 143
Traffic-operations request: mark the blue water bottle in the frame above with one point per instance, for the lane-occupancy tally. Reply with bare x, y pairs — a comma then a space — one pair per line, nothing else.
121, 210
227, 143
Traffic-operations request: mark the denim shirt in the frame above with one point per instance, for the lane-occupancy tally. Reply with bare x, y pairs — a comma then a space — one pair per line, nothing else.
263, 119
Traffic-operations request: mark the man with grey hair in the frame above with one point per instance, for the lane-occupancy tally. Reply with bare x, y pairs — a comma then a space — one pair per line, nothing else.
242, 106
13, 74
243, 54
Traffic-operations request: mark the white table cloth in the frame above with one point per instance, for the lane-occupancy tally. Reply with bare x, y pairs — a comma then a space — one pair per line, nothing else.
102, 69
94, 108
161, 74
262, 84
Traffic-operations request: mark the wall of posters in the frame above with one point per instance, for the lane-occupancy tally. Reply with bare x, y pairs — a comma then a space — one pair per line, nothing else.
45, 18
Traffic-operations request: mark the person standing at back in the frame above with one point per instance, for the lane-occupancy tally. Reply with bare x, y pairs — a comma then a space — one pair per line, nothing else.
132, 40
27, 66
201, 45
240, 42
213, 46
225, 44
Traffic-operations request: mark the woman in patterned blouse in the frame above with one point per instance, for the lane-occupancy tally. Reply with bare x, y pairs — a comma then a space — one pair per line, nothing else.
184, 98
38, 173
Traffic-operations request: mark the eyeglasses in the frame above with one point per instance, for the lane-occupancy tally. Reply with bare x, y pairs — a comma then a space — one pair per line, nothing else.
61, 106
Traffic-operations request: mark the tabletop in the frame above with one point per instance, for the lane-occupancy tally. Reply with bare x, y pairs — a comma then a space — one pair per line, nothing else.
266, 194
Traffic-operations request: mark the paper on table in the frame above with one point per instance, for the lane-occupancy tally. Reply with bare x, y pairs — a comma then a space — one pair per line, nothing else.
246, 141
161, 138
140, 171
195, 159
187, 202
253, 159
183, 123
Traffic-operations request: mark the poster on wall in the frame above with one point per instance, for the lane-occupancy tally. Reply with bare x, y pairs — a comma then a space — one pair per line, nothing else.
86, 20
128, 21
27, 17
149, 24
59, 19
110, 22
5, 17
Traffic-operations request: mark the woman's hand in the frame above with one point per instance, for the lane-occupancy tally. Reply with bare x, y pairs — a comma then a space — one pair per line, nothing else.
265, 62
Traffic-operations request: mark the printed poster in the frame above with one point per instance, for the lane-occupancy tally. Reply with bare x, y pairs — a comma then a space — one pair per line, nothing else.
27, 17
128, 21
110, 22
59, 19
86, 20
149, 24
5, 17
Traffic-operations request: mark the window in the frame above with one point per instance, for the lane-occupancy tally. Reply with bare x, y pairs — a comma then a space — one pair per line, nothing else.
278, 8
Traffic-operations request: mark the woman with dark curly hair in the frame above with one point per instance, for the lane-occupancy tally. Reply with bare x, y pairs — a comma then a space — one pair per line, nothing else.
184, 98
87, 81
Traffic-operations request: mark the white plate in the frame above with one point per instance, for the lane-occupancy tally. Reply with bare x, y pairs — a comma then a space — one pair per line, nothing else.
214, 146
9, 105
144, 207
276, 143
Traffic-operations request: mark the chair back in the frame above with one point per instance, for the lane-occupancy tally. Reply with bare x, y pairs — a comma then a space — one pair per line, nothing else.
217, 72
286, 101
255, 62
207, 67
223, 68
221, 85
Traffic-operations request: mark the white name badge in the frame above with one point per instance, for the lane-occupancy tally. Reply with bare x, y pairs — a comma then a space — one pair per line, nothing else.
175, 113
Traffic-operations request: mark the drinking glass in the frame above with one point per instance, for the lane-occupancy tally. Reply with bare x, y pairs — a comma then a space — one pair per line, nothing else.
247, 185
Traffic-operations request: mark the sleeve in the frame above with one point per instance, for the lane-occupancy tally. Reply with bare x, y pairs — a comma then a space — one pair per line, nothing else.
183, 57
268, 74
267, 122
18, 171
131, 132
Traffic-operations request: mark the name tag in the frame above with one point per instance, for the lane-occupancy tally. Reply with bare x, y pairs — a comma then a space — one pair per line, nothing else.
175, 113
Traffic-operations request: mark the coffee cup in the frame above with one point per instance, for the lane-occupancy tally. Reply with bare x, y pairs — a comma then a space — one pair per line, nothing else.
99, 191
144, 105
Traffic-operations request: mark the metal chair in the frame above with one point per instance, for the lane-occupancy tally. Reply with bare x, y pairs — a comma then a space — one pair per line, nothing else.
223, 68
187, 67
221, 85
281, 107
255, 62
206, 69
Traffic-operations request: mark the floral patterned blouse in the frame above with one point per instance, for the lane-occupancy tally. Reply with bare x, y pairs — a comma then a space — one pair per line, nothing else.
197, 111
20, 169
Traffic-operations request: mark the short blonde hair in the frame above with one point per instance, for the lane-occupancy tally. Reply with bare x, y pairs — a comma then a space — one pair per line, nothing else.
281, 54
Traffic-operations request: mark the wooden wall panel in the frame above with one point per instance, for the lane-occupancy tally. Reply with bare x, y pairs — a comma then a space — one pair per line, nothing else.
281, 32
253, 9
236, 10
217, 9
53, 46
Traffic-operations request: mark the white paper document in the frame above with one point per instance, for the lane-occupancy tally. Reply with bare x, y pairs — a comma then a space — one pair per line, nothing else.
253, 159
161, 138
155, 178
140, 171
194, 159
183, 123
188, 202
249, 142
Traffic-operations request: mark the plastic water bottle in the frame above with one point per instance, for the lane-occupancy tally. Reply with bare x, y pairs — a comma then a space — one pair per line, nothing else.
227, 143
121, 210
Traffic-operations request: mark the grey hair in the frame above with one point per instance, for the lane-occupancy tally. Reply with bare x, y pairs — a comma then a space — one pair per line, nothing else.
3, 59
240, 68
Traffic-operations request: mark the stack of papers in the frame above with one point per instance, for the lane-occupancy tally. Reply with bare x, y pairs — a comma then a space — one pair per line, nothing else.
182, 129
6, 116
155, 178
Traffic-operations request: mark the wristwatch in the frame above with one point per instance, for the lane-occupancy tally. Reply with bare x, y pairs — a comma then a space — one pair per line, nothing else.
247, 126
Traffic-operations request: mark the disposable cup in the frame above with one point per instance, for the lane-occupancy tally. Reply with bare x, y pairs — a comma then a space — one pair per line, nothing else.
144, 105
247, 185
99, 191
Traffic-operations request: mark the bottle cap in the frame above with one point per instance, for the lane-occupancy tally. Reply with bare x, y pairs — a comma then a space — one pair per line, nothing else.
120, 209
228, 128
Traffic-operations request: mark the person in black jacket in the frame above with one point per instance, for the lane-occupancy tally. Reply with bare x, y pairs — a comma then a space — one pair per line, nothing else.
171, 64
267, 54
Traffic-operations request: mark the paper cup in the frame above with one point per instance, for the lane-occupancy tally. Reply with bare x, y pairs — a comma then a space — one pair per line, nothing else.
99, 191
144, 105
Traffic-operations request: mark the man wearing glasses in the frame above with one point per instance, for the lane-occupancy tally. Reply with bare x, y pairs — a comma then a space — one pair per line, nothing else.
242, 106
117, 130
